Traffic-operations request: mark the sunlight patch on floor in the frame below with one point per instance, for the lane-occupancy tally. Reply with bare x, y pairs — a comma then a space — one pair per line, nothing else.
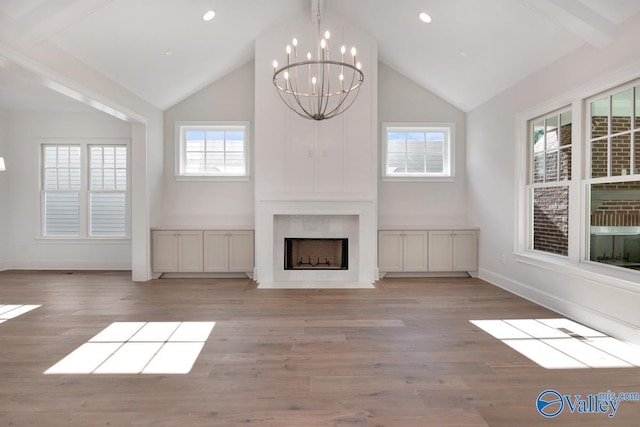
11, 311
562, 343
138, 348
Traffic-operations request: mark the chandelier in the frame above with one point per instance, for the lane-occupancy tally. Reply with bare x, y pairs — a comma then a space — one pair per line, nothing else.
318, 88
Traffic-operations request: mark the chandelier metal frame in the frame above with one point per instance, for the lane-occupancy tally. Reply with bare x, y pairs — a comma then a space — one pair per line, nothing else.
318, 89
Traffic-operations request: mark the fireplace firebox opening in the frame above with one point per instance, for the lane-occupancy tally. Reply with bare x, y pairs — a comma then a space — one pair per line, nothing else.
316, 254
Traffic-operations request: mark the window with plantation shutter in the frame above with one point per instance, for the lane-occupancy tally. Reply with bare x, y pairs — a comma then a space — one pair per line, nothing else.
107, 190
85, 190
417, 152
61, 190
212, 150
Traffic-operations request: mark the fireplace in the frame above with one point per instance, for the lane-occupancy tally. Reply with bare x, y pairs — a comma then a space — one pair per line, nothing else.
353, 221
316, 254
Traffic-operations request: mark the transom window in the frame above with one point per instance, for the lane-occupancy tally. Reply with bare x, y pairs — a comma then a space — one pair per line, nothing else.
417, 151
209, 150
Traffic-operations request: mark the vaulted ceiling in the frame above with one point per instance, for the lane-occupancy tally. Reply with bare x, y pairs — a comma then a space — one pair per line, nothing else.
163, 51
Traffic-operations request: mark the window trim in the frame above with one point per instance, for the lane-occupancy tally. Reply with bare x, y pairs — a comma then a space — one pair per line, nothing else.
449, 155
84, 192
179, 126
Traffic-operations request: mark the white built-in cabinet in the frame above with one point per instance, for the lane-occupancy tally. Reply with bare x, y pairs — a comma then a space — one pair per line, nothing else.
198, 251
453, 250
437, 251
228, 251
400, 251
177, 251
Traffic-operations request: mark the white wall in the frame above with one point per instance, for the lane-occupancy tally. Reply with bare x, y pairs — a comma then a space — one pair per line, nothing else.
226, 204
50, 62
304, 159
420, 204
4, 194
26, 130
491, 148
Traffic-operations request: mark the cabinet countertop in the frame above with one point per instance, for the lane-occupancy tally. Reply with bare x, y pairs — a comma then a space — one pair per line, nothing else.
200, 228
429, 228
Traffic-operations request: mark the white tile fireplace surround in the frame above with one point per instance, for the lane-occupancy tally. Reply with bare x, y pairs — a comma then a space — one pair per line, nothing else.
353, 220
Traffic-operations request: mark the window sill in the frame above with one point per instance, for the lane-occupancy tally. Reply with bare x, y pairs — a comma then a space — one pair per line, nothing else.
418, 179
187, 178
596, 272
84, 240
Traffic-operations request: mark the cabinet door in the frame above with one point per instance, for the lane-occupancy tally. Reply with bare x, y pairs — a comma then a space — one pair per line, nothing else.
190, 251
164, 251
465, 251
415, 250
241, 250
216, 251
440, 251
389, 251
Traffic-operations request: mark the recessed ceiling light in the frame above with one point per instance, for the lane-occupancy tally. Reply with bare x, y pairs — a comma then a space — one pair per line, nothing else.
208, 16
425, 17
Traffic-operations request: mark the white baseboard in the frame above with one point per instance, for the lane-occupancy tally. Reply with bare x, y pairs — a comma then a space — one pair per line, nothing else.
588, 316
71, 265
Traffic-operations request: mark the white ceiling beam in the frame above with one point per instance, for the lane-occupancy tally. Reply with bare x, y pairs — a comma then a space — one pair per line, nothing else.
53, 16
576, 18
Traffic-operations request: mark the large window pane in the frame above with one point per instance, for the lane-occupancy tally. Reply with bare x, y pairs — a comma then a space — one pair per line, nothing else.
615, 224
551, 220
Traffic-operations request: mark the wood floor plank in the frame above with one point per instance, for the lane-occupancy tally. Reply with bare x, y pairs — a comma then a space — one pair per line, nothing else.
403, 354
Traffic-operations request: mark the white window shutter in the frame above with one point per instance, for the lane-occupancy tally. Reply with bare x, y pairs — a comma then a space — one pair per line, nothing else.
62, 214
108, 214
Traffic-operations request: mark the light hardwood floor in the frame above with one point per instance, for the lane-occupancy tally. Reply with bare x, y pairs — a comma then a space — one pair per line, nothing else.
403, 354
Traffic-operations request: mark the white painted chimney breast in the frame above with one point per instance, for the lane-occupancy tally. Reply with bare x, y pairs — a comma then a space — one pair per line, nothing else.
315, 168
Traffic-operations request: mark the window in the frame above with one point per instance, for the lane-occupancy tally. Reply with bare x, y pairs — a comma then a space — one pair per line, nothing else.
548, 182
61, 185
212, 150
108, 190
586, 210
613, 183
418, 152
84, 190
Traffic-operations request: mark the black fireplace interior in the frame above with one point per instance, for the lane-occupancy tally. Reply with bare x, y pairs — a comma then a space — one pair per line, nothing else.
316, 254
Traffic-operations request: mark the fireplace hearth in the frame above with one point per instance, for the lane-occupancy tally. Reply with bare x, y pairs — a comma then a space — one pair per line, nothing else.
316, 254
